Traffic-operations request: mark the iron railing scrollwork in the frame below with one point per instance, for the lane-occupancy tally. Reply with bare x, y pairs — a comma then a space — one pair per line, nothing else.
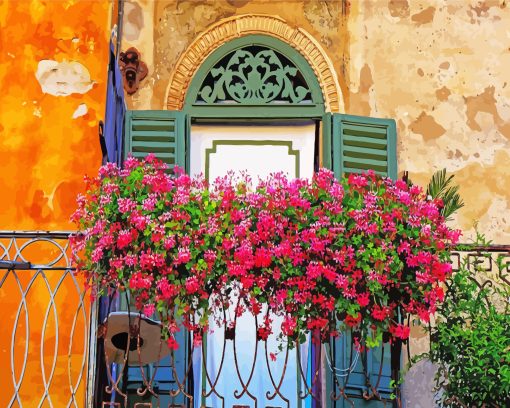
45, 321
51, 345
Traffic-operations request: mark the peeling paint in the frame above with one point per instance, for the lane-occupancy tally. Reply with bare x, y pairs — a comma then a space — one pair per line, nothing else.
81, 110
45, 47
426, 126
424, 17
484, 102
324, 16
399, 8
443, 93
443, 76
133, 22
63, 78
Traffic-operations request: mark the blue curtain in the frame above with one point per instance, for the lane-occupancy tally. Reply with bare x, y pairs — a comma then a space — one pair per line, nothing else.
112, 139
115, 110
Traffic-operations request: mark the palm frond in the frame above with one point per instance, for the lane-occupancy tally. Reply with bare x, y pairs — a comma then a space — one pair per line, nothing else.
441, 187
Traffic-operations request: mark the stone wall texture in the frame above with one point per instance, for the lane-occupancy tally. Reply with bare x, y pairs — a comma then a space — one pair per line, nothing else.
439, 68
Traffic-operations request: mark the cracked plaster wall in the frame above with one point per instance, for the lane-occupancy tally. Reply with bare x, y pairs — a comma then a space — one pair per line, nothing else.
176, 24
438, 67
53, 60
53, 63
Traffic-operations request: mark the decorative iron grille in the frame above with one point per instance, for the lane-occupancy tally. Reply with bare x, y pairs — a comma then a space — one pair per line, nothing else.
47, 350
324, 378
45, 322
492, 260
254, 75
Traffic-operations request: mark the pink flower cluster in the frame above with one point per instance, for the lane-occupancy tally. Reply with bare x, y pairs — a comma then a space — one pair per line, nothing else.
325, 254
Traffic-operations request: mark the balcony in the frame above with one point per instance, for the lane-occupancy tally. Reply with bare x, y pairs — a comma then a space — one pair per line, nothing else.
60, 347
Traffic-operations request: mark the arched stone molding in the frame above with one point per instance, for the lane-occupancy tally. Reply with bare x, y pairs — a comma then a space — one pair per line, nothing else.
237, 26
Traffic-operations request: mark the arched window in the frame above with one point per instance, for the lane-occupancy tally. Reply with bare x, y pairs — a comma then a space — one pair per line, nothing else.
259, 81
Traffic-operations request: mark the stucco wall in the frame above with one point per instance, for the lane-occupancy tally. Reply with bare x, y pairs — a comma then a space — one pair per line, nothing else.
53, 61
437, 67
49, 110
440, 68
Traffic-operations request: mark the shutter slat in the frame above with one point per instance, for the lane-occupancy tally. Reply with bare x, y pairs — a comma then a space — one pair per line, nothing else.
159, 132
367, 131
365, 142
157, 146
358, 161
357, 151
381, 171
152, 135
156, 124
158, 152
159, 155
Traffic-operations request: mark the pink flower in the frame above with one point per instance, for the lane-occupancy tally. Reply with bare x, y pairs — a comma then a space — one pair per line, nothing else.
131, 163
150, 202
97, 254
183, 256
363, 299
167, 290
150, 260
149, 309
124, 239
313, 271
209, 256
400, 331
306, 248
262, 257
172, 343
192, 285
353, 321
130, 260
139, 221
379, 313
289, 325
197, 339
169, 242
357, 180
105, 199
139, 281
126, 205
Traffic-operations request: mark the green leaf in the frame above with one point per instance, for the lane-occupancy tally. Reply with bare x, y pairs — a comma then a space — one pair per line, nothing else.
440, 187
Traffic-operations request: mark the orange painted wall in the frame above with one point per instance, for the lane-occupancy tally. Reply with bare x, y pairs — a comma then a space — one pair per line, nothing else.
44, 154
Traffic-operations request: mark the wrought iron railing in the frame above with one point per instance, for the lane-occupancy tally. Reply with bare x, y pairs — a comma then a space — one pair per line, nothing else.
45, 319
47, 352
486, 259
322, 374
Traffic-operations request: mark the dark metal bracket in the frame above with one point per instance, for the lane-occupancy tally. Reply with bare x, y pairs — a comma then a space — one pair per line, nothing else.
133, 69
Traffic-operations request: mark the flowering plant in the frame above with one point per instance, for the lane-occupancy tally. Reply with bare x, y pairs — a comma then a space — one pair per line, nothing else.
322, 254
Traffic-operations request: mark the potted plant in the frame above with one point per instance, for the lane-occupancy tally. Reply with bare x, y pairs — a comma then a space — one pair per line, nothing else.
323, 254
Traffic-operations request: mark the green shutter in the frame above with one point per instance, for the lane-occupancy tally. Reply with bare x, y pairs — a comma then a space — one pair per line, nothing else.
362, 143
164, 134
353, 144
159, 132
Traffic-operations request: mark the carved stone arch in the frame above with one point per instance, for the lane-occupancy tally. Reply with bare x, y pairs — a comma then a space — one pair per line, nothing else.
238, 26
